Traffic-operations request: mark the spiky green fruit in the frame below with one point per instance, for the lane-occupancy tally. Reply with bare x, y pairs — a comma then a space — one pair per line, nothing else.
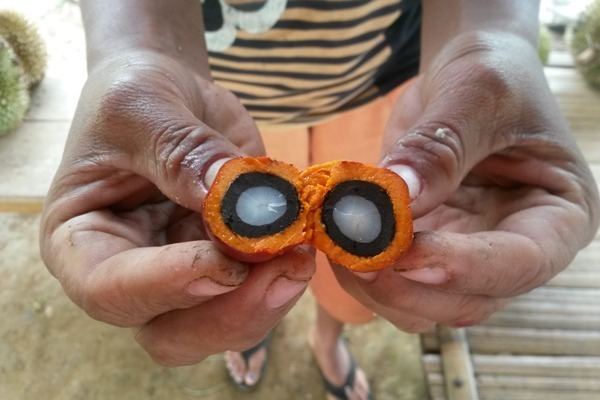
27, 44
14, 93
584, 44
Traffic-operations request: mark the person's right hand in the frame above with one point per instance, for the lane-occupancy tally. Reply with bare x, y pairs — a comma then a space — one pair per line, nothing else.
122, 229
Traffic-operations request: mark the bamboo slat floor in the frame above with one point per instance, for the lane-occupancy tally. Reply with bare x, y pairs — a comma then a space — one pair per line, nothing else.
544, 344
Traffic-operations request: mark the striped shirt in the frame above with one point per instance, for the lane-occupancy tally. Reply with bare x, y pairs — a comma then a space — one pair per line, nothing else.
296, 62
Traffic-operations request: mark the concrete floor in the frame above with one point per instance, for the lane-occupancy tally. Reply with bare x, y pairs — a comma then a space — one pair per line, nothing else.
49, 349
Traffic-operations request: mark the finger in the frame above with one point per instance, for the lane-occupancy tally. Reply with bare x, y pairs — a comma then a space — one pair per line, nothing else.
431, 160
415, 307
452, 132
234, 321
185, 150
167, 130
116, 282
498, 264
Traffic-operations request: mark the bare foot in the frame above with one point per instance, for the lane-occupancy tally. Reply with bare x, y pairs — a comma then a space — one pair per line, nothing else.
246, 374
335, 363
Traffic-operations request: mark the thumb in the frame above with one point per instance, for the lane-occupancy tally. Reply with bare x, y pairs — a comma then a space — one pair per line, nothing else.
430, 158
437, 132
172, 136
191, 151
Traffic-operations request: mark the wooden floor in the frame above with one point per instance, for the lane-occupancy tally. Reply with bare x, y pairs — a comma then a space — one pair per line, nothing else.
544, 345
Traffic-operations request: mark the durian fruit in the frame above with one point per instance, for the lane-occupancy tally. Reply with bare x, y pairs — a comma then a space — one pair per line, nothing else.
14, 93
26, 43
584, 44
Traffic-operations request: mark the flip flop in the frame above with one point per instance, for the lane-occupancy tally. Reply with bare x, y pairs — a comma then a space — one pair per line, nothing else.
247, 355
341, 392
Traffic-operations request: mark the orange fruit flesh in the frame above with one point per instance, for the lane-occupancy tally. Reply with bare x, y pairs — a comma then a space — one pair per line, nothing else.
312, 186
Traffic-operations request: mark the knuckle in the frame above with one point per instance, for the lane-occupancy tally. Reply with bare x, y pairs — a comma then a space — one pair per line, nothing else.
438, 144
118, 115
178, 146
103, 303
164, 357
118, 103
94, 308
183, 151
495, 88
166, 352
97, 307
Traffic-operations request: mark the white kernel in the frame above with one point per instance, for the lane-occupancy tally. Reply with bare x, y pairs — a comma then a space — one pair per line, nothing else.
357, 218
260, 205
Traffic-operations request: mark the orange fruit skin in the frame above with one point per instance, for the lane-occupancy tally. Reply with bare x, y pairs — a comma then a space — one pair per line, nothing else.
245, 256
312, 186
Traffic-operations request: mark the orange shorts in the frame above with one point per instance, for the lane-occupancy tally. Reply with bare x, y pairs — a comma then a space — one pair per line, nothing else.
354, 135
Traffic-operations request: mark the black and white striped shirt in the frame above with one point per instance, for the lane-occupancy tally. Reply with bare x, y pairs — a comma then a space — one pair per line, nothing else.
300, 61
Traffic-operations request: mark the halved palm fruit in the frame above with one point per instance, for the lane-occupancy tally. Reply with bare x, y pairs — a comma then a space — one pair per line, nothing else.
360, 215
357, 214
253, 209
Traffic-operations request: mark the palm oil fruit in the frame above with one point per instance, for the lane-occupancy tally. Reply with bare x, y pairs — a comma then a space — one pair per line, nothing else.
357, 214
253, 209
361, 216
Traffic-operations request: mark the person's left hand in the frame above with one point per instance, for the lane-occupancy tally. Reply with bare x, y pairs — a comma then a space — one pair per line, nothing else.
502, 197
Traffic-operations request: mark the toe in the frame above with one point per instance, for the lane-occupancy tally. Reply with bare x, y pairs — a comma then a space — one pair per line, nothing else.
255, 367
250, 379
361, 386
235, 365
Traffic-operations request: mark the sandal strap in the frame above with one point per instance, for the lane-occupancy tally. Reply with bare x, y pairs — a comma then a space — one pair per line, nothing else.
247, 354
341, 392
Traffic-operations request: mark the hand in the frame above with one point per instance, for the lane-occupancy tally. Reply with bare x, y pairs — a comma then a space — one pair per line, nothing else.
122, 230
503, 199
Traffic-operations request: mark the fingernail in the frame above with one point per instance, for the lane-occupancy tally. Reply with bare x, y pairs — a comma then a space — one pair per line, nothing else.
366, 276
282, 291
211, 172
429, 275
412, 179
204, 287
